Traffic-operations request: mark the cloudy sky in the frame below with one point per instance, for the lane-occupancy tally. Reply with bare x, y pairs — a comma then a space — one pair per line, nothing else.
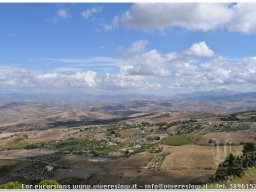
161, 49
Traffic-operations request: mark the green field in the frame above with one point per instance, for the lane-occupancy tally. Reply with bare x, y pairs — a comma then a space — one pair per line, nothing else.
180, 140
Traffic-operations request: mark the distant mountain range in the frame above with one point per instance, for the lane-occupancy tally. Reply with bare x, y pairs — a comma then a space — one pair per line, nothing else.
41, 111
201, 95
217, 95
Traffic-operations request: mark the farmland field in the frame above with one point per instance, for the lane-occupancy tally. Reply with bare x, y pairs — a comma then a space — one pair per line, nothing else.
168, 147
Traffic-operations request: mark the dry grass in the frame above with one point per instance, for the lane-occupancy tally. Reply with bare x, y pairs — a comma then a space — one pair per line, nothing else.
230, 137
23, 153
138, 160
129, 132
193, 161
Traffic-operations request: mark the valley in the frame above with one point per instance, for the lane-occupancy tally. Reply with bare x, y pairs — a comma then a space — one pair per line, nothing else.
141, 142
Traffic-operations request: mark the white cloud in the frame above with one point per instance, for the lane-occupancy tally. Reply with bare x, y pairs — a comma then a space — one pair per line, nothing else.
115, 82
86, 14
195, 16
138, 46
89, 78
72, 79
136, 61
92, 61
244, 19
232, 74
191, 16
187, 75
149, 63
141, 70
141, 62
62, 13
113, 24
200, 49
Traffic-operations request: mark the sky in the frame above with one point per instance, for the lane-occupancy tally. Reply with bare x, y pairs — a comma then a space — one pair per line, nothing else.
120, 48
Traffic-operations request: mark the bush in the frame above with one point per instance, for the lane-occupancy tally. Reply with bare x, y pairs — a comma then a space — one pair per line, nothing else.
48, 182
11, 185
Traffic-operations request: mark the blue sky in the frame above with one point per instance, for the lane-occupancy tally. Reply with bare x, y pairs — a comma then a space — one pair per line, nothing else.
118, 48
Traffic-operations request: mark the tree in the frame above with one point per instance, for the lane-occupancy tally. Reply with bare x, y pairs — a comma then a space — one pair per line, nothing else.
235, 165
230, 166
249, 155
248, 147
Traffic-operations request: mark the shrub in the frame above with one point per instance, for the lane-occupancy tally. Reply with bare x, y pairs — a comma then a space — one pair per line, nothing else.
48, 182
11, 185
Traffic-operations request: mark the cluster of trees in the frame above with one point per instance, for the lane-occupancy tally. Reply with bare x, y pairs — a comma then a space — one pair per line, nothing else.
236, 165
152, 138
231, 117
165, 126
113, 132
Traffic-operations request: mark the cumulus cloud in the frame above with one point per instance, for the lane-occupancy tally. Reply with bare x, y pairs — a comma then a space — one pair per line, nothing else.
200, 49
14, 78
115, 82
231, 71
142, 62
191, 16
89, 78
197, 16
148, 63
86, 14
86, 79
142, 70
187, 75
243, 21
